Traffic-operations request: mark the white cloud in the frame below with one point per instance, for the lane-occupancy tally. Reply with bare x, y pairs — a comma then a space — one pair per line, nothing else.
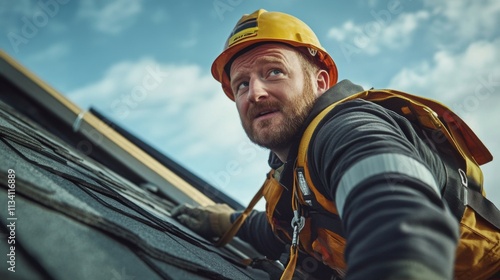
381, 32
469, 83
110, 17
345, 31
401, 30
448, 25
52, 53
452, 76
465, 20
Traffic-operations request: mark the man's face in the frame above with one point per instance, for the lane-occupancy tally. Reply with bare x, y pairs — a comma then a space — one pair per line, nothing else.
273, 94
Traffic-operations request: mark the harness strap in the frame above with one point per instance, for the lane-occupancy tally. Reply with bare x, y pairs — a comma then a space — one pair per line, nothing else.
231, 232
483, 207
454, 192
292, 263
302, 158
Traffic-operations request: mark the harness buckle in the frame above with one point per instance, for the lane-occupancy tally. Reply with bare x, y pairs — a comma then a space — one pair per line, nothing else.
463, 177
304, 188
464, 193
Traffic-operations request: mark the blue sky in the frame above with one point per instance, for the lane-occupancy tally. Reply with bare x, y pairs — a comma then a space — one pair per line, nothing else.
146, 65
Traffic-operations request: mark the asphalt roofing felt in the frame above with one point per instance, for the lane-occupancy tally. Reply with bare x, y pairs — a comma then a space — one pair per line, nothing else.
73, 218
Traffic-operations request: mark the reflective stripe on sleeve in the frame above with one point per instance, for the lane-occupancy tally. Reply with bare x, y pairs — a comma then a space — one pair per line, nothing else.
379, 164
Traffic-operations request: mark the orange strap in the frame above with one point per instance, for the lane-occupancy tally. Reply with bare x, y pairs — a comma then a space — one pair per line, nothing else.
231, 232
292, 263
302, 158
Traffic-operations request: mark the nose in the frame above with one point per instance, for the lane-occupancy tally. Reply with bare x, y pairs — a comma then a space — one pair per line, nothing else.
256, 90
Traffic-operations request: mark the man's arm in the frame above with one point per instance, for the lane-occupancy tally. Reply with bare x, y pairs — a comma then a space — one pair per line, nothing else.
214, 220
386, 185
258, 233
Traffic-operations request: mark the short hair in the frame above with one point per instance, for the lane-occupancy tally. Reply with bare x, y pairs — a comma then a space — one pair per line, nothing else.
309, 63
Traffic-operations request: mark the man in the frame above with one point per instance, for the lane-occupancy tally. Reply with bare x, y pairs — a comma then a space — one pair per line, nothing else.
371, 182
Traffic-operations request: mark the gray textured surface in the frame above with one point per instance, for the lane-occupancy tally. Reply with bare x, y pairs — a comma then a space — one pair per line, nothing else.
79, 220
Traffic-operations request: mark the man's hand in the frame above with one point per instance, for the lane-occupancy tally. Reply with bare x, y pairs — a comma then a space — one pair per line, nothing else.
208, 221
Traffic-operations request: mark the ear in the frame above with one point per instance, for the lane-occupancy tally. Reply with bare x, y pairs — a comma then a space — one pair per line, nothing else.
322, 82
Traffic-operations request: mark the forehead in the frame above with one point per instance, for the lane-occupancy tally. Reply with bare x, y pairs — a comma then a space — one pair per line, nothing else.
264, 53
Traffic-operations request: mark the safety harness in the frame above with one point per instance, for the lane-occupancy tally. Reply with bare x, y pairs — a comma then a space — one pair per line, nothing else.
316, 223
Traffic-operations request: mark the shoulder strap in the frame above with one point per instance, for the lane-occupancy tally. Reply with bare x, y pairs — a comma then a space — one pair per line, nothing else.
341, 90
303, 178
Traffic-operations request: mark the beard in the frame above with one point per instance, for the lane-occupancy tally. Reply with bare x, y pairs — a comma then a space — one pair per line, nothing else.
274, 135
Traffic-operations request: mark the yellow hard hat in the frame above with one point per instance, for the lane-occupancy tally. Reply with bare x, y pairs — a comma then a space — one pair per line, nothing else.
264, 26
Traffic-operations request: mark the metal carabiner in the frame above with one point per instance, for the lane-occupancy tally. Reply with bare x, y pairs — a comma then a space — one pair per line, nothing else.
297, 224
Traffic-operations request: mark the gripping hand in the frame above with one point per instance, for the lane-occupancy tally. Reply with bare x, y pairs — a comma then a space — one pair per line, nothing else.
207, 221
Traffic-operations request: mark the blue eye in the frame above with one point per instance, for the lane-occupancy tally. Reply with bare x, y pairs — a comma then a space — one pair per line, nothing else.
275, 72
241, 87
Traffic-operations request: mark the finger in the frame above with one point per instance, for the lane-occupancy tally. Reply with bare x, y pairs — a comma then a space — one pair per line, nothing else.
189, 221
180, 209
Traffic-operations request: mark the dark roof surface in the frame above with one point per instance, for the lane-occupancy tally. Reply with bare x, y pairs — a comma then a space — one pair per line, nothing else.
207, 189
77, 219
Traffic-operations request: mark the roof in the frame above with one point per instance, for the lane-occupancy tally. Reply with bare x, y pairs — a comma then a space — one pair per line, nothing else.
84, 199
